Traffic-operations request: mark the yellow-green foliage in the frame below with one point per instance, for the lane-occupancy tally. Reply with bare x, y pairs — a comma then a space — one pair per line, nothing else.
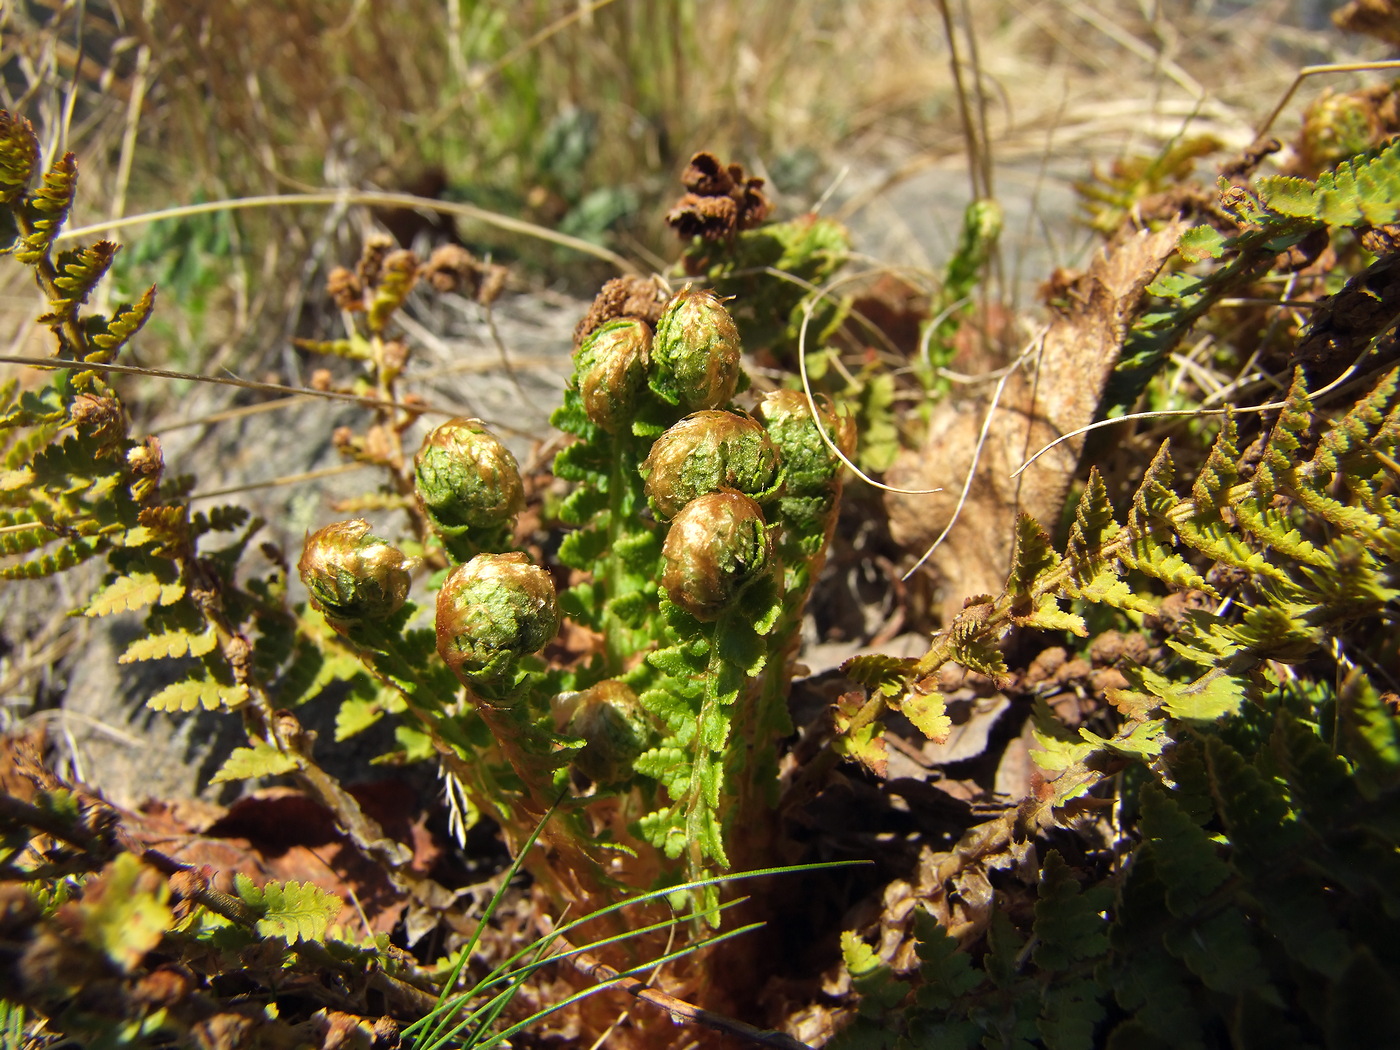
1278, 215
84, 914
75, 485
1300, 591
1255, 764
1261, 904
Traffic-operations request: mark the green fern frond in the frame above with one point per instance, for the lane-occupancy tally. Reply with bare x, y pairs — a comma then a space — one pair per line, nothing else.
26, 446
355, 715
169, 645
880, 990
927, 711
70, 553
45, 211
134, 592
294, 911
1031, 557
199, 692
218, 519
34, 407
249, 763
1263, 527
77, 273
109, 336
19, 155
1150, 533
1221, 469
1368, 427
1364, 191
1092, 575
878, 672
396, 280
15, 541
1370, 732
1093, 527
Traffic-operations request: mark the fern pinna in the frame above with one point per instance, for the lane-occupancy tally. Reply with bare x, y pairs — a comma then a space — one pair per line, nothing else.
76, 486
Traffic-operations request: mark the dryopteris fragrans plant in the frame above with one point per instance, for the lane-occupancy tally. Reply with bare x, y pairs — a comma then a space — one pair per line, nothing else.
695, 604
1312, 538
76, 486
72, 486
1257, 766
698, 617
1257, 520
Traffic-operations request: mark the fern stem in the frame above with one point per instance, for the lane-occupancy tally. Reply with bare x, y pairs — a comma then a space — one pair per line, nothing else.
622, 482
47, 275
571, 866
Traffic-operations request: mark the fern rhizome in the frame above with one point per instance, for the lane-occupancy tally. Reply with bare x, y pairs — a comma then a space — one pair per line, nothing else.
1213, 862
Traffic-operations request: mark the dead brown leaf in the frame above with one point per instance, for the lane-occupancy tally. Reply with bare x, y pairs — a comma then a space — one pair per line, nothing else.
1077, 355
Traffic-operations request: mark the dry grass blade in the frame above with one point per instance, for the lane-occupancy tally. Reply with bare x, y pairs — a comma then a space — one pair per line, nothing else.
369, 199
1312, 71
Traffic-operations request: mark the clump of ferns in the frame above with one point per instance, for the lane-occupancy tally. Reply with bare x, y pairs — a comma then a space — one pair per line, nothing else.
1252, 765
696, 532
1287, 542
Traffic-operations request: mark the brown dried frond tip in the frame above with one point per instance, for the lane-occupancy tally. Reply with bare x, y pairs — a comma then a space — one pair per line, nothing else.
720, 200
1377, 18
345, 289
1381, 240
372, 256
638, 297
451, 268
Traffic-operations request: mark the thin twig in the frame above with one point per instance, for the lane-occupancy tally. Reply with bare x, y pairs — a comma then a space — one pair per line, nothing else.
807, 307
417, 407
969, 129
1309, 71
285, 479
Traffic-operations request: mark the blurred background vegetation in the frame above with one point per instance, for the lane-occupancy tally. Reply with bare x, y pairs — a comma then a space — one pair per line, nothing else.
578, 115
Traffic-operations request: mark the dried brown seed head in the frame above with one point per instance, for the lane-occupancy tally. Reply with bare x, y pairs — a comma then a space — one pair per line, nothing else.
345, 289
721, 200
636, 297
